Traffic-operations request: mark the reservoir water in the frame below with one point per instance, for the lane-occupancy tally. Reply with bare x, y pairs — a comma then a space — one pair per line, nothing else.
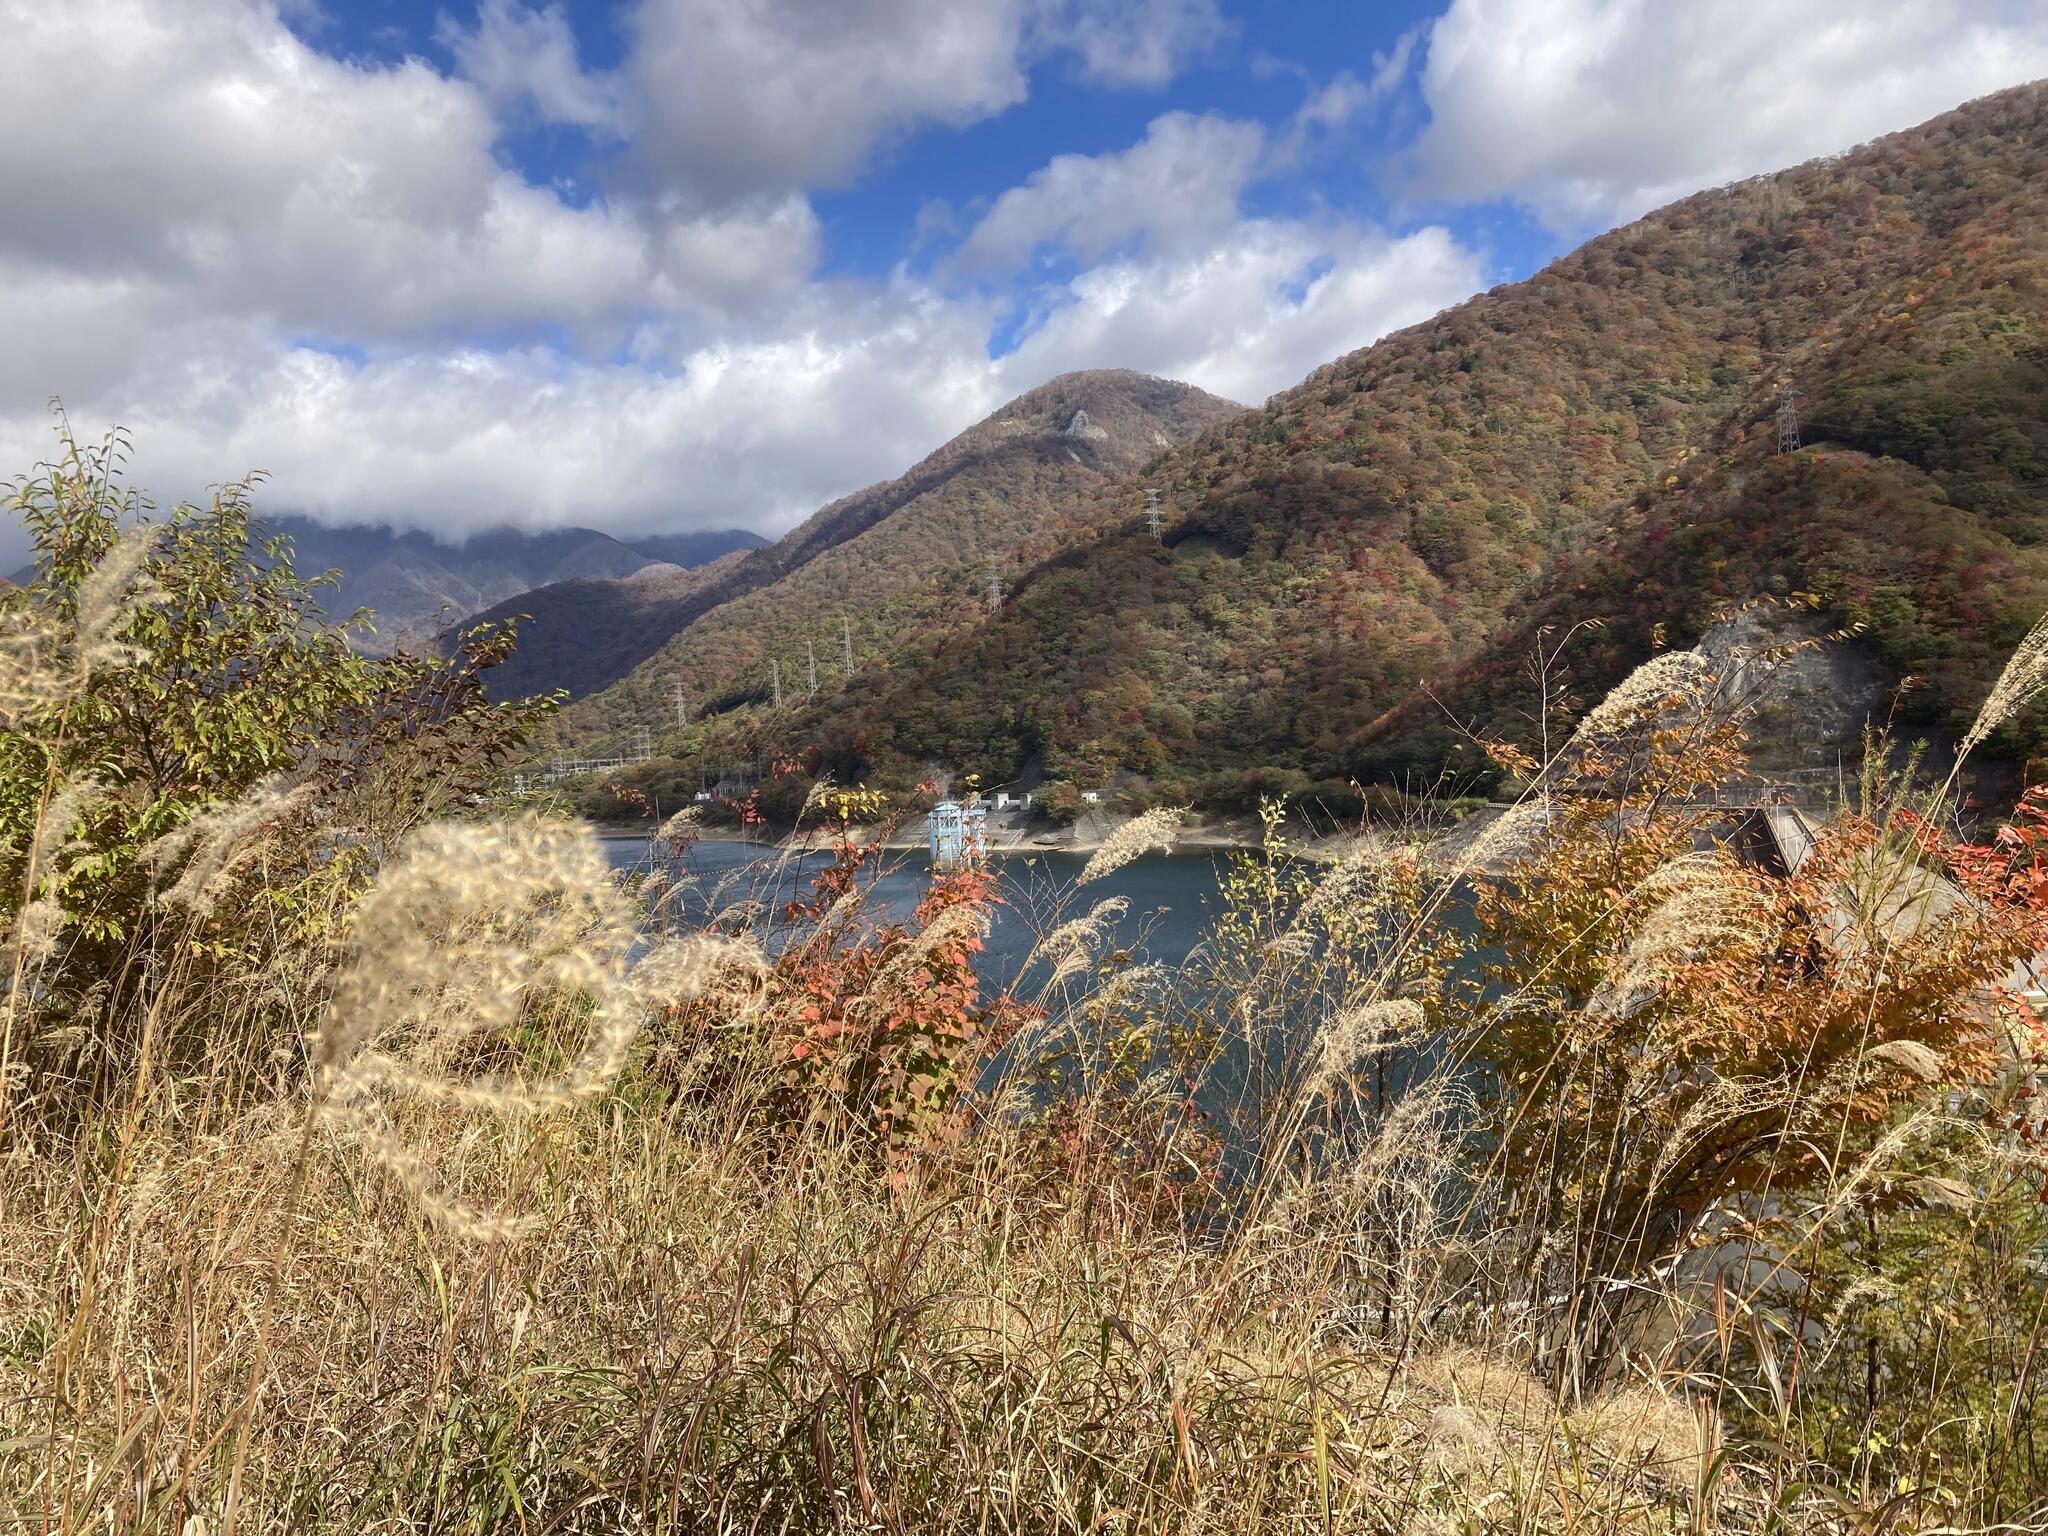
1172, 901
1172, 897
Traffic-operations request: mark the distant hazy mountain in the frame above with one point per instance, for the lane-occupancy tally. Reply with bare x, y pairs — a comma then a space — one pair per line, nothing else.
691, 550
417, 584
905, 558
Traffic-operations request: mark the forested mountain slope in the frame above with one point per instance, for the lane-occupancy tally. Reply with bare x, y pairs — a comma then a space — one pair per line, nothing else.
580, 635
874, 571
1915, 507
1591, 441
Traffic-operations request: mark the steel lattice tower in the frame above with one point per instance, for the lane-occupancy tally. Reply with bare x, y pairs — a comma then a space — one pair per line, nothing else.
1788, 419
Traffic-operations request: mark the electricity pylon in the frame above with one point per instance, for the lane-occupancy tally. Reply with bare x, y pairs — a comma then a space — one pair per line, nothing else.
1788, 419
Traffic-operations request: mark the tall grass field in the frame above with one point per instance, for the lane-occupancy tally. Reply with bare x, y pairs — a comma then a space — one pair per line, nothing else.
374, 1158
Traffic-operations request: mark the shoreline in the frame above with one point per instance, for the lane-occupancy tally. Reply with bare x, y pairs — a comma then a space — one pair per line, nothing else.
1085, 836
1237, 834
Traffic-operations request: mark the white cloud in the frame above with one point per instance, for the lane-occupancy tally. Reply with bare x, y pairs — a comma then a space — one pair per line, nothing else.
733, 263
1184, 284
1252, 314
736, 98
746, 98
1131, 42
260, 178
235, 201
526, 60
1390, 67
1335, 104
1594, 111
1178, 185
256, 255
747, 434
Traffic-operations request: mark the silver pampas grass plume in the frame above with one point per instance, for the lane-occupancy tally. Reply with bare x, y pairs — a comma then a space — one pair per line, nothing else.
471, 941
2025, 674
1136, 837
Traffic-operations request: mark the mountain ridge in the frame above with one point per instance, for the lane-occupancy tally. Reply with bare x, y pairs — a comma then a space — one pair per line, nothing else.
1377, 529
892, 554
412, 580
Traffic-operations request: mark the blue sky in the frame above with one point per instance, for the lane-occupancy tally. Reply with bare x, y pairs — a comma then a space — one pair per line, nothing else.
660, 264
1261, 63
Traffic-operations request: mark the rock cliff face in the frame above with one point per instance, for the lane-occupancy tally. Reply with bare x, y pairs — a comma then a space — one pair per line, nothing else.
1816, 691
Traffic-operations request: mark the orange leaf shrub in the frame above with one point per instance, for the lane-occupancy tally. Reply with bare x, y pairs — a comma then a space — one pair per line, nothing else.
878, 1026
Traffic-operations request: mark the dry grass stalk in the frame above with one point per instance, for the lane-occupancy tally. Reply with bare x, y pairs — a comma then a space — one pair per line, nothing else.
108, 597
1674, 680
2020, 681
30, 676
1648, 1427
216, 844
1698, 906
1921, 1060
681, 825
1360, 1034
1071, 945
1155, 829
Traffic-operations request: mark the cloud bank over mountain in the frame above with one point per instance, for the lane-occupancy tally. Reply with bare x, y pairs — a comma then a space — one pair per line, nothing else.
651, 267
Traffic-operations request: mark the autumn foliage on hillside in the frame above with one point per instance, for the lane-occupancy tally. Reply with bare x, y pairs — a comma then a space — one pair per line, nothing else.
906, 559
1916, 509
1597, 440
